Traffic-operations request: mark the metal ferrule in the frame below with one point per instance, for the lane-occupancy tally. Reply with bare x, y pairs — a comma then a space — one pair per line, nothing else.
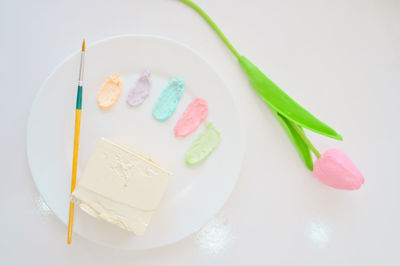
80, 80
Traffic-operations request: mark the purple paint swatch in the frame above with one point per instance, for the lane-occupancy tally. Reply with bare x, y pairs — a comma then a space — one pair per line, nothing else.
140, 90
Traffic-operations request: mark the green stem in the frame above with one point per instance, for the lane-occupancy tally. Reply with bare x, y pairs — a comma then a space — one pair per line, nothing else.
304, 137
213, 25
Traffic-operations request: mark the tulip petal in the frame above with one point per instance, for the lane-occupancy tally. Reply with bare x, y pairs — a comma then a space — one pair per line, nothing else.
336, 170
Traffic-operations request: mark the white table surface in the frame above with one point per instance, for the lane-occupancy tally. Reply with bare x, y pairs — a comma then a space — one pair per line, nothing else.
340, 59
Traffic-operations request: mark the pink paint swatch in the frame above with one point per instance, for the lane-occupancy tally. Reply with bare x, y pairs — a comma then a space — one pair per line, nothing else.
195, 113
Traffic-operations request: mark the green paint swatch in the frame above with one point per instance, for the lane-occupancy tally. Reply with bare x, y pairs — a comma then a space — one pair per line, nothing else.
203, 145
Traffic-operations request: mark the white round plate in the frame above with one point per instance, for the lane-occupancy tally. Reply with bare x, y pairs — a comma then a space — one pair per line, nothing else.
195, 194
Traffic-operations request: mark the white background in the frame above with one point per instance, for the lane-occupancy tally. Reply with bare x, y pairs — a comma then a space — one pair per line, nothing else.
340, 59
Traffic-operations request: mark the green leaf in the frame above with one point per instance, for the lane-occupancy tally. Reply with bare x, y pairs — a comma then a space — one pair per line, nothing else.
297, 141
281, 103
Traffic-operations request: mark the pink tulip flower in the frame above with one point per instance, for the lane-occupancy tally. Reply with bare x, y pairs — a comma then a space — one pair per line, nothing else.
336, 170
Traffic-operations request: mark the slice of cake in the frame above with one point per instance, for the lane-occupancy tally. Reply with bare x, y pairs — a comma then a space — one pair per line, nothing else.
121, 187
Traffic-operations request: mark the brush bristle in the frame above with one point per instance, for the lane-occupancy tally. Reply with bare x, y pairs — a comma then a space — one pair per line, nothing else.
83, 45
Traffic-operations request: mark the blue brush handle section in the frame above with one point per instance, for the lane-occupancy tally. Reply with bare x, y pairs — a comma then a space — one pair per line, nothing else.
79, 98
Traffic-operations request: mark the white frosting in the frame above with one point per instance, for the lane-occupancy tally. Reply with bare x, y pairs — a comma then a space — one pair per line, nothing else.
121, 187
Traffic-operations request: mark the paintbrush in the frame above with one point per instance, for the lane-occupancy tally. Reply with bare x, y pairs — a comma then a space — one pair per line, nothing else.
78, 111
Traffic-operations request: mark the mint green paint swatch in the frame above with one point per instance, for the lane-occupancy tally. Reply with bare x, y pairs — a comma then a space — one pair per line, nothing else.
203, 145
169, 99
